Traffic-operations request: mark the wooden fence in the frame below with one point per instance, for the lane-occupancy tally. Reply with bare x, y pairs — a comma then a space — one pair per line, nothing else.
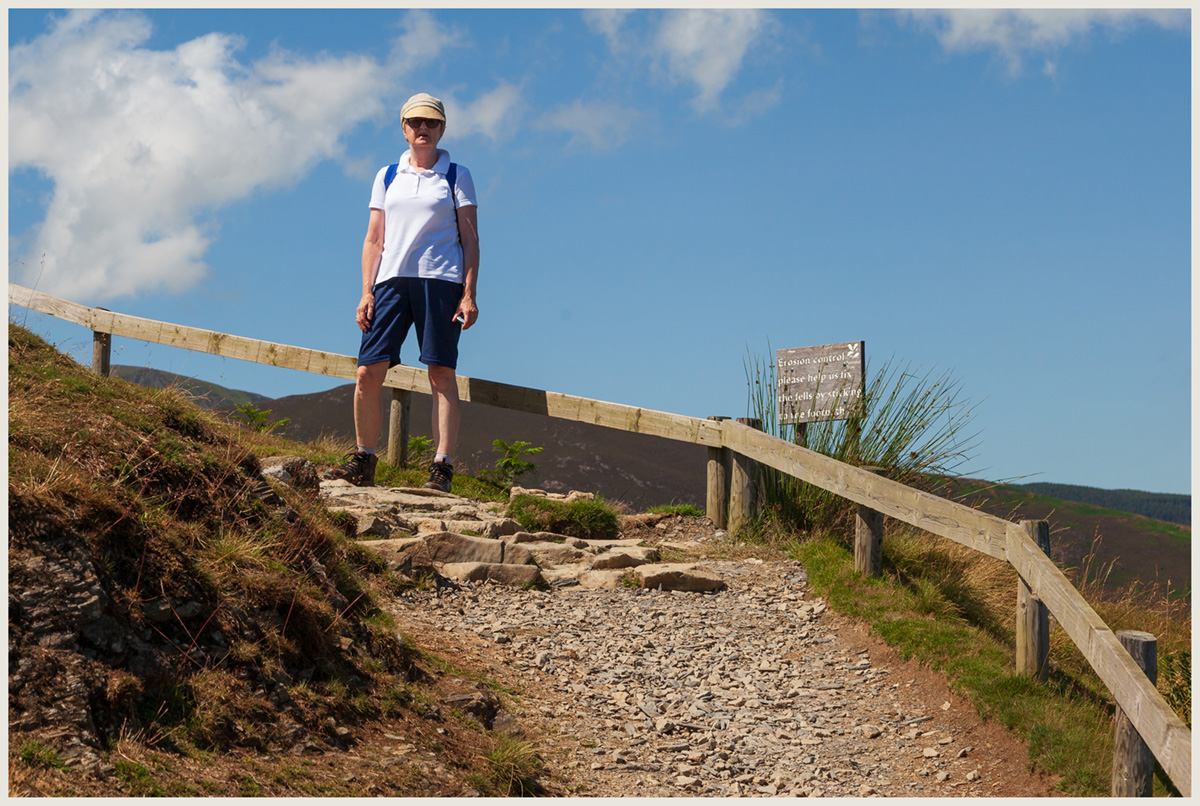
733, 445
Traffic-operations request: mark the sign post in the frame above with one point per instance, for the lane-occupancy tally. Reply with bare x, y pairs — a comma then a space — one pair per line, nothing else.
815, 384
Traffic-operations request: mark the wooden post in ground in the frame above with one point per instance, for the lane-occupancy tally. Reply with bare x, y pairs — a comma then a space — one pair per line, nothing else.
397, 452
717, 498
1133, 763
1033, 619
101, 352
743, 494
868, 537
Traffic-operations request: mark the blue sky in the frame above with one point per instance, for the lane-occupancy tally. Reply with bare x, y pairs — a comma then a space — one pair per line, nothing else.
1006, 195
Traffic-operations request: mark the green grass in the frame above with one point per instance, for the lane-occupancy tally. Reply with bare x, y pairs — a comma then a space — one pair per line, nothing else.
449, 667
1066, 726
514, 766
36, 754
589, 520
387, 475
138, 779
683, 510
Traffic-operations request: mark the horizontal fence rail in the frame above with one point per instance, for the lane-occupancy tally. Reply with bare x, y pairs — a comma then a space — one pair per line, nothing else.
1160, 727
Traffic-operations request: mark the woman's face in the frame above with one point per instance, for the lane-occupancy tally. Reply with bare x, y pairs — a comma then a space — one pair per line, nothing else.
423, 132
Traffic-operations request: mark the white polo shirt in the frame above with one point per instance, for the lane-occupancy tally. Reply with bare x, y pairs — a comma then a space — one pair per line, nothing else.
420, 229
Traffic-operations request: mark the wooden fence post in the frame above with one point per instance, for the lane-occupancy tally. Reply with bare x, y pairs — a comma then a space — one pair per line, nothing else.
1133, 763
397, 452
1033, 619
868, 536
101, 351
743, 495
717, 499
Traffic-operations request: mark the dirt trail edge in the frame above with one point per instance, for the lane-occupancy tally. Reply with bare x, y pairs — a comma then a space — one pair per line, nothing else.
757, 689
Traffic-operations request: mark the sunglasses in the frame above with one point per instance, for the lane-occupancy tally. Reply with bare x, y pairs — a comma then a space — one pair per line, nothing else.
416, 123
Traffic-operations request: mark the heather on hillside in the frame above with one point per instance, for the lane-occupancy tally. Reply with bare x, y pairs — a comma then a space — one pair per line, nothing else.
1163, 506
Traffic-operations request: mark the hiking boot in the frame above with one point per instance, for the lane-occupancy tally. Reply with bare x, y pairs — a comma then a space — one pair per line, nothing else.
440, 476
359, 469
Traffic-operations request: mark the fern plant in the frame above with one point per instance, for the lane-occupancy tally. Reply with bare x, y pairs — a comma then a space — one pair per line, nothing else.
513, 463
258, 420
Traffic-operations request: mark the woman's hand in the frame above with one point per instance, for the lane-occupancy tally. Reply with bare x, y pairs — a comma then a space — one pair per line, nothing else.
365, 312
467, 312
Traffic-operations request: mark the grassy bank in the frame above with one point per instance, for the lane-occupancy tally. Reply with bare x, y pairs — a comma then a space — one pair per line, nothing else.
178, 626
954, 610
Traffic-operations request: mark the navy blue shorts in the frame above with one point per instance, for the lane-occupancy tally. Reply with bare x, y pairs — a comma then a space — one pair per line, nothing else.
404, 301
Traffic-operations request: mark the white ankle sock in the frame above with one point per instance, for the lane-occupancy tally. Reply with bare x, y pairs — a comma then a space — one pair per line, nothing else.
441, 457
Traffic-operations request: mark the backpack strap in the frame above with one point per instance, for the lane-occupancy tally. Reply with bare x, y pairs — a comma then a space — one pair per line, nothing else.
451, 177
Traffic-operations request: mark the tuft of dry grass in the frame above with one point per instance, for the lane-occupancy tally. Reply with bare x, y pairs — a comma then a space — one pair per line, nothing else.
1152, 608
515, 764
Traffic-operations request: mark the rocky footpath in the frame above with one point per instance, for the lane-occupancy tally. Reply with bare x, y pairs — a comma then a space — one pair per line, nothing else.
712, 677
418, 530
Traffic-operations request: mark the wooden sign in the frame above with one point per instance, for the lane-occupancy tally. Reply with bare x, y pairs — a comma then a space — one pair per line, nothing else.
819, 383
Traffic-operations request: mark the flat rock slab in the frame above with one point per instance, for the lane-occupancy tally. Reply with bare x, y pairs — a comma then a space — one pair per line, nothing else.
409, 498
448, 547
504, 574
677, 577
609, 545
667, 576
394, 551
554, 554
492, 528
562, 573
626, 557
548, 537
568, 498
609, 579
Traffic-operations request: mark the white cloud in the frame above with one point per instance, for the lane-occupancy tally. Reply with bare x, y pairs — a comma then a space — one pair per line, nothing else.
1015, 34
608, 22
600, 126
423, 40
706, 47
492, 114
139, 143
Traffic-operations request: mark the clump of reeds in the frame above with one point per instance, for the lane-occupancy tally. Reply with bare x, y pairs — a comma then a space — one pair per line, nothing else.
912, 425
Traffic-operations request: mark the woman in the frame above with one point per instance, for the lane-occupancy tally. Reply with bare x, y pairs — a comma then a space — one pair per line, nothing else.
420, 264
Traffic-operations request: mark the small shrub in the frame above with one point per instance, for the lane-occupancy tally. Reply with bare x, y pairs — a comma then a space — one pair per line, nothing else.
514, 765
258, 419
513, 464
589, 520
420, 451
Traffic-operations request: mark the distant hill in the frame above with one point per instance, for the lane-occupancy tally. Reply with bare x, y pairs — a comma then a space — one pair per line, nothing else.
1163, 506
1138, 547
209, 395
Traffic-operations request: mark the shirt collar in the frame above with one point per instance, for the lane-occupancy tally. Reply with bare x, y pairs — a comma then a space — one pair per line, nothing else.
442, 166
